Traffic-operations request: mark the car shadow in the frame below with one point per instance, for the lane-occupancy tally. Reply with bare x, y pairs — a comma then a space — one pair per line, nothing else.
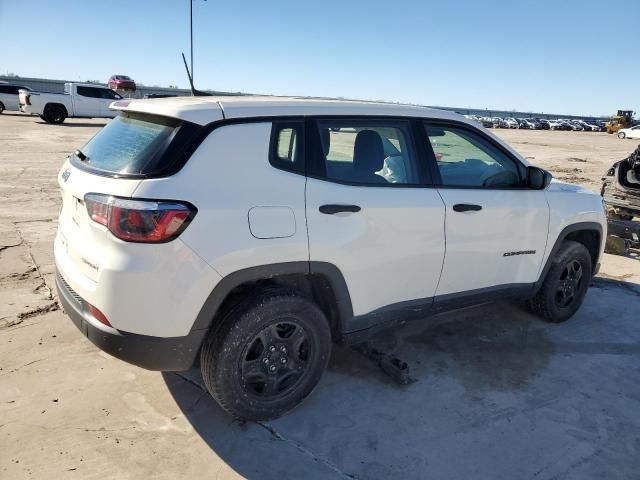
473, 368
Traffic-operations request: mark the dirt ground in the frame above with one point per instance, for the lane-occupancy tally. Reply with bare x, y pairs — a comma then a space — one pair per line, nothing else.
498, 393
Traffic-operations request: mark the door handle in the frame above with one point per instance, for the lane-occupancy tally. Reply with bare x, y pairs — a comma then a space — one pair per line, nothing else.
466, 207
331, 209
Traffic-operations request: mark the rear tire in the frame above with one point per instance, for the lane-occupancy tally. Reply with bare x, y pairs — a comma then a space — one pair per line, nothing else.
621, 135
267, 355
1, 107
54, 114
565, 284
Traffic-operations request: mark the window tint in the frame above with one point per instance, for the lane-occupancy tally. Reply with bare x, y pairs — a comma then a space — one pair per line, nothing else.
89, 92
129, 143
466, 159
367, 152
109, 94
286, 146
287, 142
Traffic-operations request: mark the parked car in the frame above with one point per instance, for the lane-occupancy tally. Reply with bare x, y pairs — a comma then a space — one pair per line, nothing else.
79, 100
567, 126
9, 96
511, 123
499, 122
487, 122
121, 82
633, 132
602, 126
527, 123
283, 232
544, 124
586, 126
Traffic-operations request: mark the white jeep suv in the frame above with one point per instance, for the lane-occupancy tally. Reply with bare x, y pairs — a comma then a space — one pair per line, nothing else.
254, 232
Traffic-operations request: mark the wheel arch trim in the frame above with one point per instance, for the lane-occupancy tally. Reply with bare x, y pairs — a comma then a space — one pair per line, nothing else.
221, 291
562, 236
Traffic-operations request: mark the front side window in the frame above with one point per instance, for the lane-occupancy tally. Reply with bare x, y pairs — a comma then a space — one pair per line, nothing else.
367, 152
109, 94
466, 159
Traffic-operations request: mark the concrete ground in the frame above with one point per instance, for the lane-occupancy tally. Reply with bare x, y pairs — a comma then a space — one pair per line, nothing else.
499, 394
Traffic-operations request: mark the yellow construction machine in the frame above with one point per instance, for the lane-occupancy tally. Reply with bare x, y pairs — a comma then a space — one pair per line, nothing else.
623, 119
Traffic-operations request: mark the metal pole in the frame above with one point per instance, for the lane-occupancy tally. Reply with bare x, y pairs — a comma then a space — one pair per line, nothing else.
191, 32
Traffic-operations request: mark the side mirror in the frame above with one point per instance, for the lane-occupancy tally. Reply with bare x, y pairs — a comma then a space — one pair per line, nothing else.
537, 178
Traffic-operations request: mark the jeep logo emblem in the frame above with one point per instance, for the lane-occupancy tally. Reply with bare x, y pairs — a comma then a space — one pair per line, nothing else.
66, 174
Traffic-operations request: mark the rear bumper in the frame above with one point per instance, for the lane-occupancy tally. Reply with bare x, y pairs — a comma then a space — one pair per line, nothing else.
152, 353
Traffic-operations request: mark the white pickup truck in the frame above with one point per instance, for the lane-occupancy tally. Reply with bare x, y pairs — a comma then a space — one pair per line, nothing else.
78, 100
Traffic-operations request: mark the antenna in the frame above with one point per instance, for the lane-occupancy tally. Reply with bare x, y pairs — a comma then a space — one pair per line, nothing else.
194, 92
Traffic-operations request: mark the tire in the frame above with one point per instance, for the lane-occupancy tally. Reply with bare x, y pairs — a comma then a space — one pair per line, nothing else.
54, 114
1, 108
561, 294
621, 135
275, 330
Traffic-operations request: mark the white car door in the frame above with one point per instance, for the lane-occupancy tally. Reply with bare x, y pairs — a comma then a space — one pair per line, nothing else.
87, 102
370, 214
496, 229
634, 132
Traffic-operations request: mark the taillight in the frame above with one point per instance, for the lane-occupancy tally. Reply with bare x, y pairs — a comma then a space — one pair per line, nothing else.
144, 221
28, 99
98, 315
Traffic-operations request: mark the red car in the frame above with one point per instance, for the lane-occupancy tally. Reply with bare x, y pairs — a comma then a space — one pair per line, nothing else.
122, 82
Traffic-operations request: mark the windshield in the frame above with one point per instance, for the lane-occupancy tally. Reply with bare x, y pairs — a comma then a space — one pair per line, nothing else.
134, 144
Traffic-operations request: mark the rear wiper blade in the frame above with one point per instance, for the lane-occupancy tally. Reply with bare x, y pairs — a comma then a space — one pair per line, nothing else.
81, 156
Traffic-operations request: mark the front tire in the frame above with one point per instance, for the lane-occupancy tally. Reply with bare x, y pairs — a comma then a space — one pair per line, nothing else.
565, 284
267, 355
621, 135
1, 108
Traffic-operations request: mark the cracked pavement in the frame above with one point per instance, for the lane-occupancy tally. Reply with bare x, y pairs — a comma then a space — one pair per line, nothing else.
498, 393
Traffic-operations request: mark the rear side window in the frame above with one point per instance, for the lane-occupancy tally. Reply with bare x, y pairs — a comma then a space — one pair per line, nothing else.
286, 152
368, 152
136, 144
92, 92
89, 92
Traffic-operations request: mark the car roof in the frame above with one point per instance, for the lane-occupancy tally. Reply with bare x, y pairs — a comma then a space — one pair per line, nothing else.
203, 110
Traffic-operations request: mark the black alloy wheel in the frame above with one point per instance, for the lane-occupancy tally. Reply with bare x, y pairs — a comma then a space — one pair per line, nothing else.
275, 360
569, 284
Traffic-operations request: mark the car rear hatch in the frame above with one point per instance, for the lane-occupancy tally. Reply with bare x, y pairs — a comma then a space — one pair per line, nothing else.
83, 241
130, 149
24, 97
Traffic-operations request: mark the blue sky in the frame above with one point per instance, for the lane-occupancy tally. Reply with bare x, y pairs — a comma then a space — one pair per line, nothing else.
561, 56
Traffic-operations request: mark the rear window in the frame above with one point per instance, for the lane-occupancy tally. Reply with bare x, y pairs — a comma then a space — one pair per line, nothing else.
136, 144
